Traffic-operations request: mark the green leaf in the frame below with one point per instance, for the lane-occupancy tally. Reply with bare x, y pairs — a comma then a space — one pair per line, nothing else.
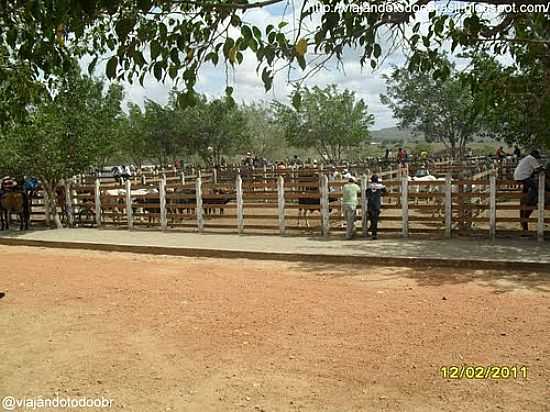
155, 50
282, 24
138, 58
257, 32
377, 50
173, 72
267, 78
92, 65
111, 67
228, 46
246, 32
235, 20
123, 27
157, 70
213, 57
301, 61
174, 55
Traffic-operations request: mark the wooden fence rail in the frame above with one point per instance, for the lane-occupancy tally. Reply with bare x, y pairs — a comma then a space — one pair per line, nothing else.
299, 203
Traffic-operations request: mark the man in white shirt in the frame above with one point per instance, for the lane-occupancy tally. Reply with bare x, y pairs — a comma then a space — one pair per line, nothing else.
525, 173
528, 166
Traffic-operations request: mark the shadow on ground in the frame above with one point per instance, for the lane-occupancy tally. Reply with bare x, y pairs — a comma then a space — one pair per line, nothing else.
500, 281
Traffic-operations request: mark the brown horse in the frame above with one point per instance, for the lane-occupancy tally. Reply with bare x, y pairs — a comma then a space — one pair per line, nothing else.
14, 202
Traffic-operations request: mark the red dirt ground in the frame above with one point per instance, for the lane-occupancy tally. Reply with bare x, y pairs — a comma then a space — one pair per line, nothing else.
184, 334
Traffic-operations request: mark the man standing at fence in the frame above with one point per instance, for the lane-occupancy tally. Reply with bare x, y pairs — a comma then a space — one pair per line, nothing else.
349, 200
526, 172
374, 194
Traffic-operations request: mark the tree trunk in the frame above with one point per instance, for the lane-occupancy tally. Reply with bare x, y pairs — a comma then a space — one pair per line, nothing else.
51, 204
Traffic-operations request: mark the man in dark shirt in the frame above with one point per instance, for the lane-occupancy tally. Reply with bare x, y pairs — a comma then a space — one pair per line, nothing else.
374, 194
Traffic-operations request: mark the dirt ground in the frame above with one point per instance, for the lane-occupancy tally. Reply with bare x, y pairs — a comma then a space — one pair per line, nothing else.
182, 334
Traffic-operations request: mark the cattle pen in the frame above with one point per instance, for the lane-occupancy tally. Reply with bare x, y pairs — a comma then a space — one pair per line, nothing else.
466, 200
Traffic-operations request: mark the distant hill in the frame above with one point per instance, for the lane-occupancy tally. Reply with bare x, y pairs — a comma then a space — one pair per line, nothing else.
395, 134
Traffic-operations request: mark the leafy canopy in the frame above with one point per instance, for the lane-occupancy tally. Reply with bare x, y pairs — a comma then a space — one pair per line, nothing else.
325, 119
443, 110
174, 38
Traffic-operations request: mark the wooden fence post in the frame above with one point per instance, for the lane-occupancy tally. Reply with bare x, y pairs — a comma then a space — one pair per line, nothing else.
215, 175
324, 203
364, 205
162, 200
69, 202
404, 206
129, 212
492, 206
448, 206
281, 204
540, 223
98, 202
46, 204
239, 193
199, 211
265, 178
182, 177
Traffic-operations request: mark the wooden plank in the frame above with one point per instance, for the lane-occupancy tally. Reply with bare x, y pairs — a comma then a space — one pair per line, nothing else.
198, 209
240, 211
97, 202
492, 207
129, 204
404, 206
448, 206
324, 203
540, 223
162, 195
281, 204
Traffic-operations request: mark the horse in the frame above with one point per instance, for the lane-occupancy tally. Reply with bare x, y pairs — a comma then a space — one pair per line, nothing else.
14, 202
306, 203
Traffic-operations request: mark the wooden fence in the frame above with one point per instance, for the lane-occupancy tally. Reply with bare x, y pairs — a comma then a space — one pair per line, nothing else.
275, 201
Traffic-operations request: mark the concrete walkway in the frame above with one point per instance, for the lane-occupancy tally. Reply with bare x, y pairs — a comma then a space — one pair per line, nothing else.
502, 254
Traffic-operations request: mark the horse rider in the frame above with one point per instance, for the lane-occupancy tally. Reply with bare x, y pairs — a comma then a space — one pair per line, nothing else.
9, 184
374, 194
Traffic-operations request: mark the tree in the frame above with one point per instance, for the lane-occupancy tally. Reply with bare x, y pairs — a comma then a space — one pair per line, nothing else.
217, 129
65, 135
443, 110
513, 106
134, 144
326, 119
173, 38
266, 134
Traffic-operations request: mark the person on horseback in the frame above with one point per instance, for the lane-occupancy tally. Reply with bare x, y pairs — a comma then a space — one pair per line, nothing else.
14, 199
9, 184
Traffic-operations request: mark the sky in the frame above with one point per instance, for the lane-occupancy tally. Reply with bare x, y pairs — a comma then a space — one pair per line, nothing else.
368, 84
248, 87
